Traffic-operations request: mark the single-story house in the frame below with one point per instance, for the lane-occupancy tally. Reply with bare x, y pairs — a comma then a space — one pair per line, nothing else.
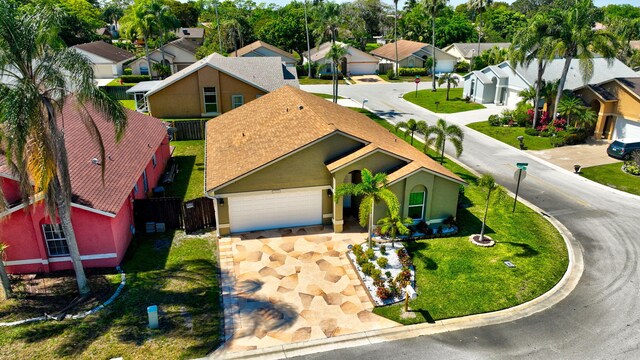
617, 103
501, 84
412, 54
106, 60
178, 54
193, 34
465, 51
355, 62
212, 86
296, 148
101, 212
262, 49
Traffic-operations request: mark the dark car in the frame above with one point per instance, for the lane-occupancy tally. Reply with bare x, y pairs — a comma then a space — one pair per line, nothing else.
622, 148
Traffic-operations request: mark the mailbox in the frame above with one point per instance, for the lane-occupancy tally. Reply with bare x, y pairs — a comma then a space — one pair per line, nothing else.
411, 292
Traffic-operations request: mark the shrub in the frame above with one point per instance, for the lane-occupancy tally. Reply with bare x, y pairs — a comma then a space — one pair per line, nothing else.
388, 275
134, 79
391, 74
383, 250
403, 276
631, 167
382, 262
413, 71
450, 220
404, 257
462, 67
558, 141
378, 282
495, 120
369, 254
383, 293
367, 268
531, 131
376, 274
357, 250
127, 71
546, 133
393, 288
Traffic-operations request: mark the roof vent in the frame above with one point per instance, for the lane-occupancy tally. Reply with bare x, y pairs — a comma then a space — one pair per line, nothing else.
286, 110
95, 161
110, 158
300, 107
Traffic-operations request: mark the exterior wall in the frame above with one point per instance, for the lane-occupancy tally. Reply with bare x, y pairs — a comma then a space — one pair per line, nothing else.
122, 229
11, 190
231, 86
628, 105
453, 51
135, 66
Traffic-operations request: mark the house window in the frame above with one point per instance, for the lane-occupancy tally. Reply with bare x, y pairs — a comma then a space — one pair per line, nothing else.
144, 69
55, 239
145, 182
154, 161
236, 101
210, 100
416, 205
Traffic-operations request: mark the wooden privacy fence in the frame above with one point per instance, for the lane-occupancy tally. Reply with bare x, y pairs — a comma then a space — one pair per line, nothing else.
174, 214
117, 92
188, 129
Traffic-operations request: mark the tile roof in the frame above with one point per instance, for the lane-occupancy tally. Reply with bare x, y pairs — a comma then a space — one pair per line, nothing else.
261, 44
126, 160
190, 33
406, 48
267, 73
106, 50
277, 124
469, 49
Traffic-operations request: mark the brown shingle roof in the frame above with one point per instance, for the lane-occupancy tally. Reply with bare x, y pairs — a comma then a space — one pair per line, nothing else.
264, 130
184, 44
107, 51
261, 44
190, 33
631, 83
405, 49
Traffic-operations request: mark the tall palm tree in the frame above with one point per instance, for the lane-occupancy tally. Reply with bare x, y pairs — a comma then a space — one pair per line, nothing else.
373, 189
6, 284
433, 7
443, 132
37, 69
449, 79
568, 106
164, 19
479, 6
394, 224
395, 34
574, 39
412, 127
328, 25
233, 30
548, 92
336, 53
488, 184
137, 21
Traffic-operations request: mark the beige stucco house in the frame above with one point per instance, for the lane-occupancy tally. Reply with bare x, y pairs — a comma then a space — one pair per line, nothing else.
466, 51
617, 103
107, 61
276, 162
178, 54
262, 49
213, 86
413, 54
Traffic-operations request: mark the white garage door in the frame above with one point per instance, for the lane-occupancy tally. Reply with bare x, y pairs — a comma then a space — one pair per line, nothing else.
513, 98
626, 129
102, 71
275, 210
363, 68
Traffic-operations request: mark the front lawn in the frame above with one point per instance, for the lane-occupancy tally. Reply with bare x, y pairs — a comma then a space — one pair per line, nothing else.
423, 79
456, 278
305, 80
509, 134
612, 175
129, 104
327, 96
428, 98
189, 182
116, 82
177, 273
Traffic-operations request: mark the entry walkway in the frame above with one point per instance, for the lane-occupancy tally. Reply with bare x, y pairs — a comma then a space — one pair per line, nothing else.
593, 153
292, 285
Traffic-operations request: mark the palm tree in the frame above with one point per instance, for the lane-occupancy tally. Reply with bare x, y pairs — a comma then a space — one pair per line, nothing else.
335, 54
137, 21
574, 39
586, 118
165, 21
393, 224
373, 189
488, 184
412, 127
6, 284
329, 22
395, 34
233, 29
443, 132
479, 6
433, 7
568, 106
448, 79
37, 85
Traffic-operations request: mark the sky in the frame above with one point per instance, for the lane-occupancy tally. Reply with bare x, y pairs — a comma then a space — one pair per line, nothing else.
457, 2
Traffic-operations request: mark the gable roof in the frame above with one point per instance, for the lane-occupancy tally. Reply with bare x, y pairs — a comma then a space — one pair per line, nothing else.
190, 33
265, 73
284, 121
468, 49
406, 48
106, 50
184, 44
319, 53
126, 160
261, 44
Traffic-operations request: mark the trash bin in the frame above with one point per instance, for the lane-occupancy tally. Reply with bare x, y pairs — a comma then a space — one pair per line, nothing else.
152, 312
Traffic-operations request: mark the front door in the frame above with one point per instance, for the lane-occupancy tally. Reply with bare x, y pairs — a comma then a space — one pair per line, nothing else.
608, 127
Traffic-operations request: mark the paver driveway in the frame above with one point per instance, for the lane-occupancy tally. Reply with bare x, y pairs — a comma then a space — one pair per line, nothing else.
292, 285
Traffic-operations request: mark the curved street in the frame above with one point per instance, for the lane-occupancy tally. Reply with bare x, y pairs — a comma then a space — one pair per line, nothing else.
600, 319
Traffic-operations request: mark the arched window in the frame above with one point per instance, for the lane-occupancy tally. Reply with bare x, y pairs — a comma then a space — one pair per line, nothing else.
417, 202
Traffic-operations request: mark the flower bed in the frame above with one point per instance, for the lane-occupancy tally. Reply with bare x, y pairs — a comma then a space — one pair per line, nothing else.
384, 283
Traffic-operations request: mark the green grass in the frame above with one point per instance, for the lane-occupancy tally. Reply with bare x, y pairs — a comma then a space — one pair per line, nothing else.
327, 96
304, 80
189, 182
179, 276
428, 98
116, 82
508, 135
371, 46
612, 175
456, 278
129, 104
423, 79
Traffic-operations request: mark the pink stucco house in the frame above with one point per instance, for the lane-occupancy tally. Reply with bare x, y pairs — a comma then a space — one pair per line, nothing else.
101, 212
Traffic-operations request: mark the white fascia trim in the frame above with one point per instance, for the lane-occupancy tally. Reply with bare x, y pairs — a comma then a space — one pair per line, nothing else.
248, 193
25, 262
284, 157
327, 216
337, 222
376, 150
90, 209
84, 257
430, 172
224, 226
14, 209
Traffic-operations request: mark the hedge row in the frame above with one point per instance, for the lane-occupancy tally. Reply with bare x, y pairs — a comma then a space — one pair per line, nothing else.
134, 79
413, 71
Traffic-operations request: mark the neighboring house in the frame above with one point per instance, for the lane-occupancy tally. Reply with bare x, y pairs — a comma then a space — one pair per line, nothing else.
465, 51
295, 149
106, 60
195, 35
412, 54
617, 103
101, 211
213, 85
355, 62
501, 84
178, 54
262, 49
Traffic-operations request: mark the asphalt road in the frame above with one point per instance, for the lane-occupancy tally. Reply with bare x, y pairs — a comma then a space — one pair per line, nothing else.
600, 319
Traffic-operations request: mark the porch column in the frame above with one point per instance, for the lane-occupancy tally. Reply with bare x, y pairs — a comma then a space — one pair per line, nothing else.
599, 129
338, 216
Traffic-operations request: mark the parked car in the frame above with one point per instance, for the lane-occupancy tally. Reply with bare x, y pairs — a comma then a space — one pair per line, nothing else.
622, 148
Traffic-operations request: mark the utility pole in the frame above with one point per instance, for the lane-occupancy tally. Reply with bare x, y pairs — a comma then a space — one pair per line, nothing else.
215, 6
395, 34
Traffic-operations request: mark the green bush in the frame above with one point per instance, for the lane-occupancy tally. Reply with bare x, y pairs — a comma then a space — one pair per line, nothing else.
383, 250
631, 167
376, 275
557, 141
391, 74
531, 131
357, 250
134, 79
382, 262
361, 260
369, 254
413, 71
127, 71
546, 133
462, 67
495, 120
368, 268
